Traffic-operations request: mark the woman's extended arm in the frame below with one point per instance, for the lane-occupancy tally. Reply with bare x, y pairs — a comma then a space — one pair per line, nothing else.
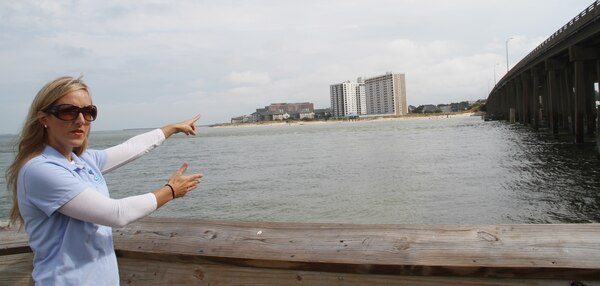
132, 149
139, 145
188, 127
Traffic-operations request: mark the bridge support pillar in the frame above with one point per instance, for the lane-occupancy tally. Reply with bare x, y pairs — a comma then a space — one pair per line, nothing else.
569, 86
564, 100
514, 102
590, 98
579, 100
555, 70
583, 90
552, 97
598, 110
544, 99
527, 91
535, 101
512, 115
519, 104
505, 102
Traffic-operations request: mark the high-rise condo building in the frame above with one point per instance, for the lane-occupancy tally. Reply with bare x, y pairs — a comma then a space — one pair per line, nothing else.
348, 99
386, 94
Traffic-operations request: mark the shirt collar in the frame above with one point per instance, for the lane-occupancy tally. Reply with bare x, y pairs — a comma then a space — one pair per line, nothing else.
50, 153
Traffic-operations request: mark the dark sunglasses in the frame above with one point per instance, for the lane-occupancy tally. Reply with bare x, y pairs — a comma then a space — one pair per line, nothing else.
68, 112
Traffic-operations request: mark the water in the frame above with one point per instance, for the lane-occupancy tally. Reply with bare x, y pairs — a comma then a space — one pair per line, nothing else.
445, 170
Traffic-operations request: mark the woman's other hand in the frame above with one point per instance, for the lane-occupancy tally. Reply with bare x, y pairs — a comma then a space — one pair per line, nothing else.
180, 185
183, 184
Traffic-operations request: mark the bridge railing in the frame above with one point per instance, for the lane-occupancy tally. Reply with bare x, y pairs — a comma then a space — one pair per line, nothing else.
588, 15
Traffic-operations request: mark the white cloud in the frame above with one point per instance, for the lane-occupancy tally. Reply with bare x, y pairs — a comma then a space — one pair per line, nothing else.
249, 78
229, 57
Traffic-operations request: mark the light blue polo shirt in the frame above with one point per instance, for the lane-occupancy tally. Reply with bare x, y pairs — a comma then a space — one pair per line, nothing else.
66, 251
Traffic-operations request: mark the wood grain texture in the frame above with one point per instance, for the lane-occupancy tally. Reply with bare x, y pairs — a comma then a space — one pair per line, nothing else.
13, 241
145, 272
16, 269
532, 251
520, 253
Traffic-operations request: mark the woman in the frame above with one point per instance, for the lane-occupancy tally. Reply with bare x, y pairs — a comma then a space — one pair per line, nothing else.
59, 192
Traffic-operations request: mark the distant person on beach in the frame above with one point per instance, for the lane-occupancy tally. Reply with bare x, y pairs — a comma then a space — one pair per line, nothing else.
59, 192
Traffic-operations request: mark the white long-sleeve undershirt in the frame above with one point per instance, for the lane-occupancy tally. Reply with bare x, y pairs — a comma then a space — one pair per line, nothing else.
93, 207
132, 149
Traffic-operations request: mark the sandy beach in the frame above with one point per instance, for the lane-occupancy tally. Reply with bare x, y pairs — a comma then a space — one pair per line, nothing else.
338, 121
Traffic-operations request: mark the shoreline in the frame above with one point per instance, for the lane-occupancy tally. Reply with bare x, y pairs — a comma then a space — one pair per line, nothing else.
334, 121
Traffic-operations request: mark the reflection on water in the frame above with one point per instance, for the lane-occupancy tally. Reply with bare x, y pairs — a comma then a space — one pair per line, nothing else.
447, 170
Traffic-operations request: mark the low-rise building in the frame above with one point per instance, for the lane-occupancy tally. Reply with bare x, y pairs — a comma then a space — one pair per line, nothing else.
280, 116
445, 107
284, 111
323, 113
306, 115
243, 119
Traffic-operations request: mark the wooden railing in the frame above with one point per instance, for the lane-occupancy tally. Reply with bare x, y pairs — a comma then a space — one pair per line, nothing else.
161, 251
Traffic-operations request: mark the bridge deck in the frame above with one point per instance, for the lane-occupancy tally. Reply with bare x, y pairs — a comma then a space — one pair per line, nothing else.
176, 251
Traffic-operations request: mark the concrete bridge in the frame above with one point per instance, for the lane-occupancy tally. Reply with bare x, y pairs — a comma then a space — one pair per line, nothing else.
554, 85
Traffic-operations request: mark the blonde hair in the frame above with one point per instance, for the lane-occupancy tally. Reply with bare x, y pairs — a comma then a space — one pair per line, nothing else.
33, 137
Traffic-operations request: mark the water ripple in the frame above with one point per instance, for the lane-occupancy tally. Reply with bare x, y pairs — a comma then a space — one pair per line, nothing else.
455, 170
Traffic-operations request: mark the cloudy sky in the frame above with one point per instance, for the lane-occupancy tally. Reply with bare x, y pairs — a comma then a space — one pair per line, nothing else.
154, 62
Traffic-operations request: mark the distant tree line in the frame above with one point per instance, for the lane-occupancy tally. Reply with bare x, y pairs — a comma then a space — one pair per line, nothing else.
445, 108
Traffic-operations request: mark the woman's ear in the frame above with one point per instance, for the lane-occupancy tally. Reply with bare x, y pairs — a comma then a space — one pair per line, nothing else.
42, 118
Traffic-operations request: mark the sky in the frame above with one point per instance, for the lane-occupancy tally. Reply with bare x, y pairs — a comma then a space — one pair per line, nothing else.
150, 63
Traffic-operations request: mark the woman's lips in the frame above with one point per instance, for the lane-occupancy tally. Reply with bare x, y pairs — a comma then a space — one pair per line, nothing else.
78, 132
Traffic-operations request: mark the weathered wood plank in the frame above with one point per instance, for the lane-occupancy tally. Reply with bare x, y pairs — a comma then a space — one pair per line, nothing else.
559, 252
539, 251
13, 241
147, 272
554, 246
16, 269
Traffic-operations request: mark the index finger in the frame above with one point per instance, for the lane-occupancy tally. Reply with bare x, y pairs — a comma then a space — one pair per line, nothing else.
182, 169
193, 120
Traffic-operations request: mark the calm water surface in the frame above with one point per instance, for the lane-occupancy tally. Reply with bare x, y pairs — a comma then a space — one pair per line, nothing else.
447, 170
